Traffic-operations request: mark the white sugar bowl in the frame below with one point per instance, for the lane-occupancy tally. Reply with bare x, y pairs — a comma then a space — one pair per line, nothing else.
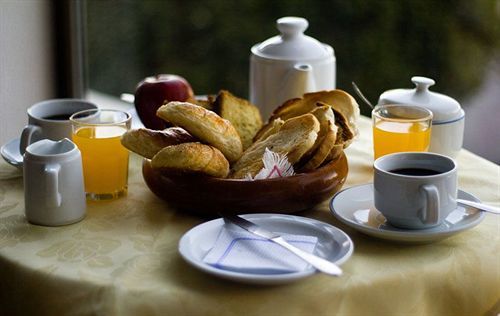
288, 65
448, 117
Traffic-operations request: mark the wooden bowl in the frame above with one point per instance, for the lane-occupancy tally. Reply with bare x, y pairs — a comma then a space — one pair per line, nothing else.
209, 196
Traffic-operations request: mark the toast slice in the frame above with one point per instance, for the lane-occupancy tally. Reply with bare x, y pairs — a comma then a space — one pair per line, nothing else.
345, 132
271, 129
345, 135
339, 100
244, 116
294, 139
191, 158
327, 136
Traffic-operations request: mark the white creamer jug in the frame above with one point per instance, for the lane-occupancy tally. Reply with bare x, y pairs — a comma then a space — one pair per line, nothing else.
53, 183
288, 65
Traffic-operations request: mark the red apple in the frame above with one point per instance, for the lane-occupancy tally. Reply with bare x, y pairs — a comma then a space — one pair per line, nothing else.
154, 91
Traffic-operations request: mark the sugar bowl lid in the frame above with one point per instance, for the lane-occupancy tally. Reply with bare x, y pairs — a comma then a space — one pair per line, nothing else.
443, 107
292, 43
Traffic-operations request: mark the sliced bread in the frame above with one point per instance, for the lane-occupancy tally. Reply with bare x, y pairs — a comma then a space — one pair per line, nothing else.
327, 136
294, 139
339, 100
244, 116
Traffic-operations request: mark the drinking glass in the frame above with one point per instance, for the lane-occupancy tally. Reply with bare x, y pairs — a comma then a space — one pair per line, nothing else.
399, 128
97, 134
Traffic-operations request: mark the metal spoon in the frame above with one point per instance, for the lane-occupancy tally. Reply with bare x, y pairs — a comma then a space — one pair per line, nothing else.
479, 206
361, 95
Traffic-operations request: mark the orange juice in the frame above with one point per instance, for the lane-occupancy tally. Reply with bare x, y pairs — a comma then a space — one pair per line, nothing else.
105, 160
390, 137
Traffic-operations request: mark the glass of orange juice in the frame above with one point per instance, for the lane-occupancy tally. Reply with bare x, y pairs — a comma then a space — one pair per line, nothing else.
97, 134
400, 127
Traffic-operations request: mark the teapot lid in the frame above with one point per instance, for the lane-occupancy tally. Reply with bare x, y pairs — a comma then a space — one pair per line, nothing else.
292, 43
444, 108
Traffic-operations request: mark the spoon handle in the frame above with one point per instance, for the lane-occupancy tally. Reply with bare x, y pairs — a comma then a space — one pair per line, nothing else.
361, 95
480, 206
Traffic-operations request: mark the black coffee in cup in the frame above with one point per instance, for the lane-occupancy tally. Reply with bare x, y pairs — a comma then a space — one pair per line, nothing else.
59, 117
415, 172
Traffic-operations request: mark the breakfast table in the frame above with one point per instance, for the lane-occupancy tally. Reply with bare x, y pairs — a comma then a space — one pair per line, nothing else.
123, 259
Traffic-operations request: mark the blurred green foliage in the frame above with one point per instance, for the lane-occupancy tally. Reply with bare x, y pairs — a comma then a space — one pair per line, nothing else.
379, 44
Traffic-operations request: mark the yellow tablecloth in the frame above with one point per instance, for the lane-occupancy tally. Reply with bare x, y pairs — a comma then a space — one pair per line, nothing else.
122, 259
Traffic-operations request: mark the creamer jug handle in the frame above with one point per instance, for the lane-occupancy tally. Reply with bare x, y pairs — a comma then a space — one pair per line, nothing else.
52, 185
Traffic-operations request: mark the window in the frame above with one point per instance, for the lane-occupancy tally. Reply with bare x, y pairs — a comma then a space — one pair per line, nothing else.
378, 44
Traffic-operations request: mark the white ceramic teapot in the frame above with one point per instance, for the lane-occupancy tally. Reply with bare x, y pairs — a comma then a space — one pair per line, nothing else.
288, 65
448, 117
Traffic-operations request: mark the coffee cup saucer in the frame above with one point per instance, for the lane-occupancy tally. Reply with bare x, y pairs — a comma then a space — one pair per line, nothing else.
354, 207
11, 154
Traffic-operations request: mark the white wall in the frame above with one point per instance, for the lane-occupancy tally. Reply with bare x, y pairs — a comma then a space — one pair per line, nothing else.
26, 61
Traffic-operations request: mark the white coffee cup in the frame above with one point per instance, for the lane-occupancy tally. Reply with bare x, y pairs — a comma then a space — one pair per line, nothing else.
50, 119
53, 183
415, 189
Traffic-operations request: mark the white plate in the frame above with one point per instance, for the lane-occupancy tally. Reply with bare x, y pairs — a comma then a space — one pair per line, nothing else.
10, 153
333, 245
354, 207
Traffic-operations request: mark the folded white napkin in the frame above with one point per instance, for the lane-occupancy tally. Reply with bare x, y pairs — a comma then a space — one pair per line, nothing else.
238, 250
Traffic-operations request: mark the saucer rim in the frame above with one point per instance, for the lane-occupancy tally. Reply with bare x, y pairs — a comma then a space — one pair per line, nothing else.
3, 150
405, 235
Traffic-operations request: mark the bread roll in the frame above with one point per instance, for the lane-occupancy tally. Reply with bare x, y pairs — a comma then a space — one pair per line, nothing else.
191, 158
206, 125
147, 142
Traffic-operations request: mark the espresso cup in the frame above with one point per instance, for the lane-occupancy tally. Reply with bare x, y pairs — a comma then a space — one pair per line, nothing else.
50, 120
53, 183
415, 190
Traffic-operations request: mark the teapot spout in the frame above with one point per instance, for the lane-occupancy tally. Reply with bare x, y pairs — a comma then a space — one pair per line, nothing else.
299, 80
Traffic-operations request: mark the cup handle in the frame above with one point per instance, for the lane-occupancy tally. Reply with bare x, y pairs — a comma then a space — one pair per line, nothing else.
27, 137
430, 214
52, 185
